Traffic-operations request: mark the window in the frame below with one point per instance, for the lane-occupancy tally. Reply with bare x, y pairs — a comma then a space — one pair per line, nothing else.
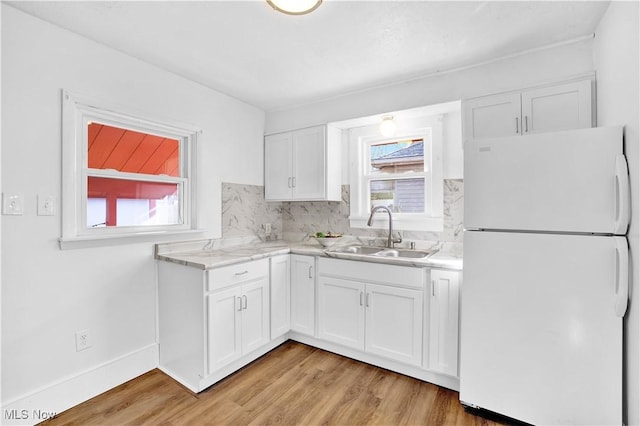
124, 175
403, 173
396, 175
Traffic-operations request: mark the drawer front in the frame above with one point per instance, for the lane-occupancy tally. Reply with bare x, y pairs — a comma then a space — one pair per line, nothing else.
236, 274
371, 272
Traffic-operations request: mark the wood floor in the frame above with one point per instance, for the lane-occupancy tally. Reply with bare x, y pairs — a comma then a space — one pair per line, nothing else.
294, 384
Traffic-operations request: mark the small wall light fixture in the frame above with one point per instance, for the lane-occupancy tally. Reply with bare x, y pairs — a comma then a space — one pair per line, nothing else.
388, 126
295, 7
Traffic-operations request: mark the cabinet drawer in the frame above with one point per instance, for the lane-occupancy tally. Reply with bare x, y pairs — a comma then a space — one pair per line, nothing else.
402, 276
235, 274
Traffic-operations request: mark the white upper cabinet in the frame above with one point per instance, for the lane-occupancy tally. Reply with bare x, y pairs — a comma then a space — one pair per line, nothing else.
557, 108
546, 109
492, 116
278, 162
303, 164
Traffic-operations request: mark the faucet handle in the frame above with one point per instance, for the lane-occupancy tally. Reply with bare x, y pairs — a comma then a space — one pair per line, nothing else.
397, 240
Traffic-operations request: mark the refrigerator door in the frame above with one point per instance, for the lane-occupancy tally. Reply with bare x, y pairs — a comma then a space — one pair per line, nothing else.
573, 181
541, 332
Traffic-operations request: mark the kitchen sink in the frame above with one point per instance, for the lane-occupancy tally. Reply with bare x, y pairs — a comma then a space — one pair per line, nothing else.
357, 249
383, 252
413, 254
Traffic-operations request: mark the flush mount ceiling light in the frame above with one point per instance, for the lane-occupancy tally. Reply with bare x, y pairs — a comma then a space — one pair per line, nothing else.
295, 7
388, 126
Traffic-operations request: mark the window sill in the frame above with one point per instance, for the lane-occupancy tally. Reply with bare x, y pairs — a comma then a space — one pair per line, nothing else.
90, 241
411, 223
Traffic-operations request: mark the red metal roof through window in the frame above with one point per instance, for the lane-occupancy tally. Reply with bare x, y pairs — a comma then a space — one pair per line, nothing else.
130, 151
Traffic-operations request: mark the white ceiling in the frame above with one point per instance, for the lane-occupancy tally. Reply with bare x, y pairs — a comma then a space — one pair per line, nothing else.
249, 51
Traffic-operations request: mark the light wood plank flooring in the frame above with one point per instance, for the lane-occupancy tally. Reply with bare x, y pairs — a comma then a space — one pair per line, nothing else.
294, 384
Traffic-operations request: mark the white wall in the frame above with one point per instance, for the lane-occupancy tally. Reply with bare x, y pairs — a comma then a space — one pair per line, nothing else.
530, 69
48, 294
616, 58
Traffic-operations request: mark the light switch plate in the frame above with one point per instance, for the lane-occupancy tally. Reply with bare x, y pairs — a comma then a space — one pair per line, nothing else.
12, 204
46, 205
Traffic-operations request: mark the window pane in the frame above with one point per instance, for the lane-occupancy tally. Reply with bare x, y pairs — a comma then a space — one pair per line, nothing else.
399, 195
132, 203
96, 212
397, 157
128, 151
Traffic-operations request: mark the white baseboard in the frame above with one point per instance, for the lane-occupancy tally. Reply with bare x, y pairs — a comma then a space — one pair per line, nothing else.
57, 397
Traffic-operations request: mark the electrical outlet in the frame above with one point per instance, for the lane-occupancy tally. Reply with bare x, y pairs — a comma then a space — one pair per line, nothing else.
83, 340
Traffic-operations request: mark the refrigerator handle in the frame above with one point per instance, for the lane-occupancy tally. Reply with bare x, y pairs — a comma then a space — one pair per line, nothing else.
623, 199
622, 275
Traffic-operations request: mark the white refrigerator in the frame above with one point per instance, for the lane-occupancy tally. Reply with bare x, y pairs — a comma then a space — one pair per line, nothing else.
546, 276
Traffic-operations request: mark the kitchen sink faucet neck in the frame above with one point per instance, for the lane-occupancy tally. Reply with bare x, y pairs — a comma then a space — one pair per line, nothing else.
390, 240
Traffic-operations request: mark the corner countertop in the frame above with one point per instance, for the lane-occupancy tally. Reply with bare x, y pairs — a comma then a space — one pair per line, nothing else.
206, 258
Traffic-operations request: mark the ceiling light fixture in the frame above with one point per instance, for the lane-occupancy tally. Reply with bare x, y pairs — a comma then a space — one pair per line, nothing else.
295, 7
388, 126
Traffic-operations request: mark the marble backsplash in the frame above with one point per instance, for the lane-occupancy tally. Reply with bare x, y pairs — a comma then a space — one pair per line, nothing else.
244, 210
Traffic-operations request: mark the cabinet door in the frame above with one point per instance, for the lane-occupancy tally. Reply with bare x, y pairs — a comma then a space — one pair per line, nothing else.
443, 322
279, 294
309, 154
224, 327
303, 312
394, 323
255, 315
492, 116
278, 161
341, 311
562, 107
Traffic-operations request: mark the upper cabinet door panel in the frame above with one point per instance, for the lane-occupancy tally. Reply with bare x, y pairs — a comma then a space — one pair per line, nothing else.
492, 116
304, 164
563, 107
278, 159
309, 153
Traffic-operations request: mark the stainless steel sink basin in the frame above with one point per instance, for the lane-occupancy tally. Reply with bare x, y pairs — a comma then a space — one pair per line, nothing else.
383, 252
357, 249
412, 254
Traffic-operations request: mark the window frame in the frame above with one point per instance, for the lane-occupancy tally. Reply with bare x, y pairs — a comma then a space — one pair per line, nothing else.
78, 111
430, 131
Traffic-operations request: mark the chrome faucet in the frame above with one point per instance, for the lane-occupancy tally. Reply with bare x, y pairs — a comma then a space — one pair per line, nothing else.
390, 240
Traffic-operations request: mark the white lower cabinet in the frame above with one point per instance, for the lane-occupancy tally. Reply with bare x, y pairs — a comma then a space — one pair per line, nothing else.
341, 311
238, 319
280, 295
224, 327
303, 297
394, 323
443, 355
212, 322
378, 317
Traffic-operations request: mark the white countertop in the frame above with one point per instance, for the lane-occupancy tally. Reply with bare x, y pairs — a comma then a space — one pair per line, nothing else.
204, 258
